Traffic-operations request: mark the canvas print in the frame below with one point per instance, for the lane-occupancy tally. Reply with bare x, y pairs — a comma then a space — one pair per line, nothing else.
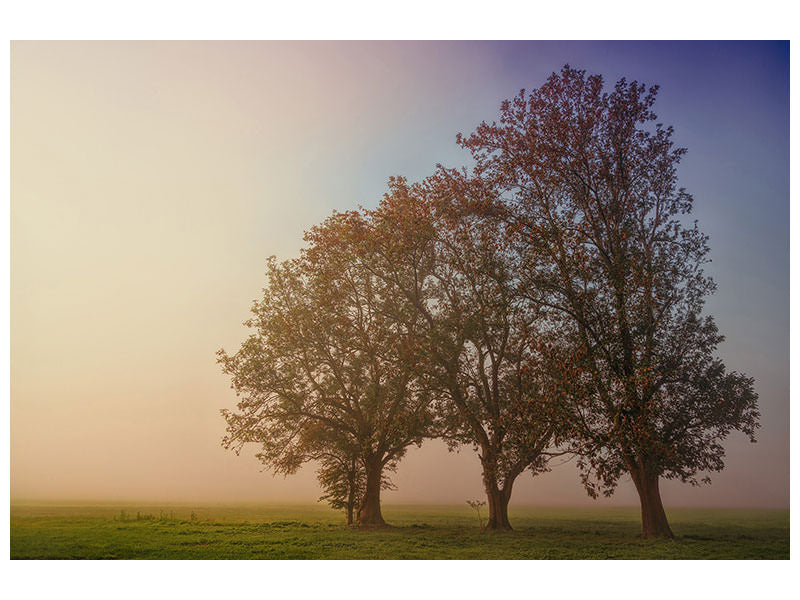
400, 300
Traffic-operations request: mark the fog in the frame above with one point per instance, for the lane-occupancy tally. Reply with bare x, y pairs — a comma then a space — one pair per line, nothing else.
149, 182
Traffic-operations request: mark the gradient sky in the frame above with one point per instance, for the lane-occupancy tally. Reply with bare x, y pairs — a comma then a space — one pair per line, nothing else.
149, 182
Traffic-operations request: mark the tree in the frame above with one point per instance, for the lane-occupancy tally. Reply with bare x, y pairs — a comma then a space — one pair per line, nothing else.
589, 181
431, 247
339, 472
342, 478
326, 375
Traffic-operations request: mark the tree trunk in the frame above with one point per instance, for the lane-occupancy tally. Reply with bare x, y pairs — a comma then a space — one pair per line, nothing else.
654, 519
350, 513
498, 510
498, 498
369, 513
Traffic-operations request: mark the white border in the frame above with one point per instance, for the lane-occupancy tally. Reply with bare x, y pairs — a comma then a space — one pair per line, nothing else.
415, 19
411, 19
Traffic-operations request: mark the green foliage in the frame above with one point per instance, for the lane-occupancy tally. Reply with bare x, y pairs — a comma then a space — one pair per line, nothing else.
342, 478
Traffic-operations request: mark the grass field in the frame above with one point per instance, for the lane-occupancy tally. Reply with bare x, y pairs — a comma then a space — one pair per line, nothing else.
419, 532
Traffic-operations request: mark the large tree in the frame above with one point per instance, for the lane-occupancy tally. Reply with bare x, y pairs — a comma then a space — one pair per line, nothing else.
325, 373
589, 179
433, 248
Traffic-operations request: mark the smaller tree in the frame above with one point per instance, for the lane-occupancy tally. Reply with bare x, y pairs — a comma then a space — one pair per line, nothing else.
342, 478
340, 472
476, 506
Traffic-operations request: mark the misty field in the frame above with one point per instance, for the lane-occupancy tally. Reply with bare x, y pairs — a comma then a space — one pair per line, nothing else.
303, 531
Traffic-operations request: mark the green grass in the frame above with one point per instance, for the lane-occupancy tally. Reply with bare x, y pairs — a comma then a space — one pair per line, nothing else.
419, 532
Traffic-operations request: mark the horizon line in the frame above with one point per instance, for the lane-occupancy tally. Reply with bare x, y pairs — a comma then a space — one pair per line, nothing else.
299, 502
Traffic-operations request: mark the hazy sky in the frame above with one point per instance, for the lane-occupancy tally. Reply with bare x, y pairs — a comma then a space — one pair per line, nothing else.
149, 182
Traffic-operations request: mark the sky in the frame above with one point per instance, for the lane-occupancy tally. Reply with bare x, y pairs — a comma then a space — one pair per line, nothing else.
150, 181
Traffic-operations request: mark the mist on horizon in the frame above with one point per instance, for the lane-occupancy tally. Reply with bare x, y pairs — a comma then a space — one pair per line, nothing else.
150, 181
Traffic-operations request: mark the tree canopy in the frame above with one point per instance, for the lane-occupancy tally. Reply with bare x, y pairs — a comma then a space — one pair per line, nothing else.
589, 181
434, 247
326, 372
548, 300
